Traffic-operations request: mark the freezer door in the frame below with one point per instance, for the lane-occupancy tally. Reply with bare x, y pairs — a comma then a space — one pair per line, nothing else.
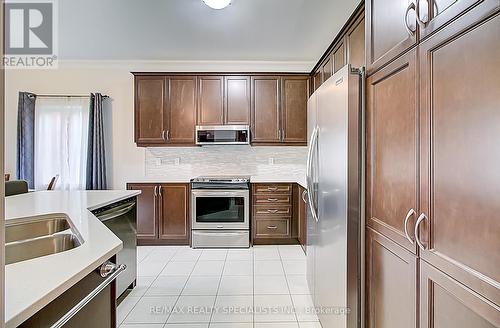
331, 254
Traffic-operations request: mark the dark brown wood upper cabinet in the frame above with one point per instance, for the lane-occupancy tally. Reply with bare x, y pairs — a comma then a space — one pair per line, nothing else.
391, 284
392, 151
237, 100
327, 68
174, 221
294, 109
434, 14
181, 110
316, 80
266, 126
165, 110
338, 57
147, 208
210, 100
388, 33
355, 43
150, 122
444, 302
460, 157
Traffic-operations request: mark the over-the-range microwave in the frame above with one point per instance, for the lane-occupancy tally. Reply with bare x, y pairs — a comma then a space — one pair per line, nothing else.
222, 135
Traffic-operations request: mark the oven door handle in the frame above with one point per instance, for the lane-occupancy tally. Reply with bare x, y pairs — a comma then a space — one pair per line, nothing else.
220, 193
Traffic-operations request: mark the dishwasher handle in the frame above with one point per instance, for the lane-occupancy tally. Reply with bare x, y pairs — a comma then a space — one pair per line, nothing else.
118, 269
116, 211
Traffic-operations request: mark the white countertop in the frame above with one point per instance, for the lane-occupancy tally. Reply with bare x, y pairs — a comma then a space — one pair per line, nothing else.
299, 178
32, 284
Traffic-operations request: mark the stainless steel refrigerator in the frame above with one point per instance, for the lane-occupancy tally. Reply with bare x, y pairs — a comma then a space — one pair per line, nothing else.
335, 187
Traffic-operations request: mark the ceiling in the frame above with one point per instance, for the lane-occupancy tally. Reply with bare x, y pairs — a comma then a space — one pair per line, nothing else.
253, 30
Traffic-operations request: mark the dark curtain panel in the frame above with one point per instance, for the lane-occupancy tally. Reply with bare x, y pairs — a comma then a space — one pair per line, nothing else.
96, 156
25, 169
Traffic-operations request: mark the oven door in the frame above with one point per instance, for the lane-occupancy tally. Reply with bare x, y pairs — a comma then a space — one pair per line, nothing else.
220, 209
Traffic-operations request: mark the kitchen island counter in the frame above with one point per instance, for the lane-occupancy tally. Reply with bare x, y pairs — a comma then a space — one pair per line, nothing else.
30, 285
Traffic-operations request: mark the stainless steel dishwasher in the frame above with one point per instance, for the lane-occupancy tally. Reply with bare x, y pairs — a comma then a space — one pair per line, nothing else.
121, 218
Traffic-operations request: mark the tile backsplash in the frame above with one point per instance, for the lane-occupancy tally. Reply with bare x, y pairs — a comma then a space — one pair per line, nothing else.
225, 160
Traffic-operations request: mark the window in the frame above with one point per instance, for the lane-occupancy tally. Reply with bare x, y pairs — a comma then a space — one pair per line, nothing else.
61, 133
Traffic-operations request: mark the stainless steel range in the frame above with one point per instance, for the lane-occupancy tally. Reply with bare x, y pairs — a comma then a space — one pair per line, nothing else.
220, 212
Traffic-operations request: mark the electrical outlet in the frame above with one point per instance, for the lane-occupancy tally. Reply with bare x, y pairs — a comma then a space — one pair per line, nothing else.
271, 161
158, 162
177, 161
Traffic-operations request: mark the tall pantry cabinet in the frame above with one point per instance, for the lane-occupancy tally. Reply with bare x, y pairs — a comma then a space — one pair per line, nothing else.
433, 178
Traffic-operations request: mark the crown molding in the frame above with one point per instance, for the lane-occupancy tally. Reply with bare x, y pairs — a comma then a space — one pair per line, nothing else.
193, 66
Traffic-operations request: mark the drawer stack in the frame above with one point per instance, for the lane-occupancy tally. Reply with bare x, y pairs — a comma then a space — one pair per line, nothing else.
272, 213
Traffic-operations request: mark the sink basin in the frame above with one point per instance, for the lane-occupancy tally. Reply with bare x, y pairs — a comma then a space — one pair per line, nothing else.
32, 248
35, 228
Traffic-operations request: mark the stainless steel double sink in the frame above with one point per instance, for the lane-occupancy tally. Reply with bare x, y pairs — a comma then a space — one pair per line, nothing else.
39, 236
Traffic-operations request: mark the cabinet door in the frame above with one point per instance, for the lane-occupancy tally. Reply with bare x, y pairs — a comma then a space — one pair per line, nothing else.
210, 100
444, 302
294, 109
150, 121
392, 168
146, 210
391, 284
316, 80
355, 43
327, 68
338, 57
460, 158
174, 213
434, 14
266, 109
181, 109
388, 33
237, 100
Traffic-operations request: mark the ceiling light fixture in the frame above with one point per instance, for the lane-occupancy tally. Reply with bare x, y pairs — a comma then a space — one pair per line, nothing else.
217, 4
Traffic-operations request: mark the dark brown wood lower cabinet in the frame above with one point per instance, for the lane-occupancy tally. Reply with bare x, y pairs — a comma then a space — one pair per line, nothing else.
391, 284
274, 219
162, 213
444, 302
146, 210
174, 213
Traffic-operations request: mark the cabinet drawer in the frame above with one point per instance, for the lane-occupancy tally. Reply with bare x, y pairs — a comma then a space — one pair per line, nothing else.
273, 188
268, 210
272, 228
272, 199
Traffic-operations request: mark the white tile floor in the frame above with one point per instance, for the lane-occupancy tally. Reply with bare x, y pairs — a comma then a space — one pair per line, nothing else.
179, 287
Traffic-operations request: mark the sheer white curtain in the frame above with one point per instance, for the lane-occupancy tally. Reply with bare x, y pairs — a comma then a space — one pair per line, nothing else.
61, 133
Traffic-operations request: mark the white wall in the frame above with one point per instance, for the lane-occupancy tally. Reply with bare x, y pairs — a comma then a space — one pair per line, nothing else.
125, 160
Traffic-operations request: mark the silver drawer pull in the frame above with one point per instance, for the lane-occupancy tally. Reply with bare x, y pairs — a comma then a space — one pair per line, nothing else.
272, 188
118, 269
272, 199
272, 211
272, 227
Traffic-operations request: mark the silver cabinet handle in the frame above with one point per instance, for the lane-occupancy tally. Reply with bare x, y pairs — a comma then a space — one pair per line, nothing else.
272, 199
159, 191
408, 216
304, 194
408, 29
166, 135
272, 211
272, 227
279, 134
421, 218
417, 10
113, 272
272, 188
156, 191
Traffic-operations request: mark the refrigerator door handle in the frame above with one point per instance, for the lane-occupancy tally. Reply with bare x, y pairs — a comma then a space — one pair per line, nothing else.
312, 146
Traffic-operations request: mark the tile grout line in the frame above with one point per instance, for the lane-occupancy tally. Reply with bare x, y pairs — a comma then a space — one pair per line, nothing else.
217, 291
141, 297
288, 286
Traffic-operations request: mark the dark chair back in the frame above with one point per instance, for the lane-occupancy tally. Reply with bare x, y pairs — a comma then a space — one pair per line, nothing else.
16, 187
53, 182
